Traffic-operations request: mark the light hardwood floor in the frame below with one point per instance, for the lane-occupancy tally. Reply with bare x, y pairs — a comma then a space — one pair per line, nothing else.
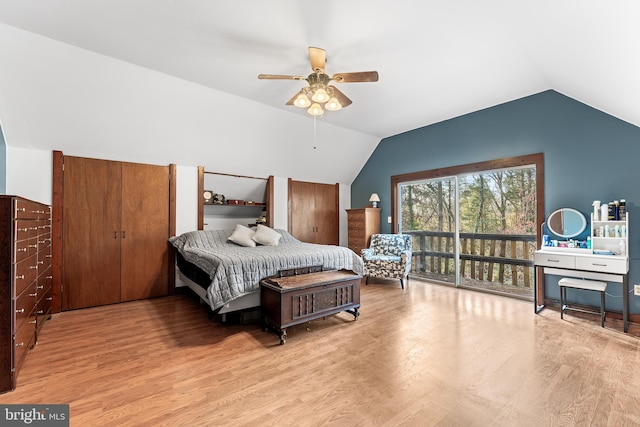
426, 355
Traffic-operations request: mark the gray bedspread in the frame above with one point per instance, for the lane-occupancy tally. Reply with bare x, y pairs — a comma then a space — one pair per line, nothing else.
236, 271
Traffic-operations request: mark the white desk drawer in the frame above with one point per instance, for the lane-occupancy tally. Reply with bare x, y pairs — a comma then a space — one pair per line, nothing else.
555, 260
605, 264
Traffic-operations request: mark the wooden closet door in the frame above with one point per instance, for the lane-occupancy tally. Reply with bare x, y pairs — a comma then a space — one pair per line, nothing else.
326, 213
145, 230
302, 220
91, 233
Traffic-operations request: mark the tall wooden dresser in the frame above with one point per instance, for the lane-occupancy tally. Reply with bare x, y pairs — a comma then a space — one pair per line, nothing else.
25, 281
362, 223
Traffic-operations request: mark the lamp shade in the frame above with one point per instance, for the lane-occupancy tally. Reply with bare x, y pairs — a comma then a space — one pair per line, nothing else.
302, 100
320, 95
315, 109
374, 198
333, 104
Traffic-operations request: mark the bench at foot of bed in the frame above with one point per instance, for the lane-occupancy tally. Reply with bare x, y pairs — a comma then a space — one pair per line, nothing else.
289, 301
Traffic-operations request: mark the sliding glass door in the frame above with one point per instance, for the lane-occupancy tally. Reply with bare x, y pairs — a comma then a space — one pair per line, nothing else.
428, 212
475, 229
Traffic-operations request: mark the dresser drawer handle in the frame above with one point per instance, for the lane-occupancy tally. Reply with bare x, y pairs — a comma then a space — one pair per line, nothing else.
40, 311
33, 267
48, 256
20, 310
599, 265
21, 209
40, 262
21, 250
33, 246
49, 298
49, 277
20, 277
40, 287
20, 344
32, 321
23, 229
35, 294
553, 260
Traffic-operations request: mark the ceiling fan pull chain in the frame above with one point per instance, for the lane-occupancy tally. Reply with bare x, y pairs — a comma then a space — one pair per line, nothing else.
315, 136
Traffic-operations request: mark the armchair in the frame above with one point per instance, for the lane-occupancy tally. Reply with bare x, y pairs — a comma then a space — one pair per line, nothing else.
388, 255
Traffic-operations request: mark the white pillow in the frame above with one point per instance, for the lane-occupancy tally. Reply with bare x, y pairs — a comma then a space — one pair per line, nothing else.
266, 236
242, 236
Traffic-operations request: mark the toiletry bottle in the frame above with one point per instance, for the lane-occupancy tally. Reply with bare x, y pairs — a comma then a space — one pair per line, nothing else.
623, 209
607, 230
616, 231
588, 242
622, 248
616, 210
604, 209
596, 210
611, 212
623, 231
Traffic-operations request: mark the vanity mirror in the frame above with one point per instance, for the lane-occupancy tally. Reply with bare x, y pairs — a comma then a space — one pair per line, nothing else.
566, 222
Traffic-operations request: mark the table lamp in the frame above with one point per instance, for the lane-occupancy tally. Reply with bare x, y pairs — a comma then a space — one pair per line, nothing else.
374, 199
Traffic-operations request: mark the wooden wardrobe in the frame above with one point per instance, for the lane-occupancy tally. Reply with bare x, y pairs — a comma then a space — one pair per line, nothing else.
115, 226
313, 212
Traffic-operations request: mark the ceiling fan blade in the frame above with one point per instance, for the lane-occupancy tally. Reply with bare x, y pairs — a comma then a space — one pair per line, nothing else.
362, 76
293, 99
318, 58
279, 77
342, 98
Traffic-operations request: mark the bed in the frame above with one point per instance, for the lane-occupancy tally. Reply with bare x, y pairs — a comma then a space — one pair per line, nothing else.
227, 276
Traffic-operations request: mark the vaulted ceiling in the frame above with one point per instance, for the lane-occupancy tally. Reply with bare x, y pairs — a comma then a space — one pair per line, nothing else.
436, 59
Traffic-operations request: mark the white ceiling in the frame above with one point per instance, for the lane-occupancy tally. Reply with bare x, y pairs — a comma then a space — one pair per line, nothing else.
436, 59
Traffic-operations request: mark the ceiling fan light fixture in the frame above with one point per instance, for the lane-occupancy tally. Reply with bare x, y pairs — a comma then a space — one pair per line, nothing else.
315, 109
302, 100
320, 95
333, 104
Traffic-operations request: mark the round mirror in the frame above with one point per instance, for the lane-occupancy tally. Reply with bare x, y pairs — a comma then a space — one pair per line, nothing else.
566, 222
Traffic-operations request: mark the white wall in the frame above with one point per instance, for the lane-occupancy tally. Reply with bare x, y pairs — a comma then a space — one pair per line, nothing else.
280, 203
345, 203
186, 199
30, 174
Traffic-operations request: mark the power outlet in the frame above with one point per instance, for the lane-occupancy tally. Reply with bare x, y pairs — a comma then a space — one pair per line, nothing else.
389, 219
636, 290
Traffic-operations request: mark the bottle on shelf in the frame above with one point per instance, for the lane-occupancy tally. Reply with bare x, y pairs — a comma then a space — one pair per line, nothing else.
604, 212
611, 212
622, 248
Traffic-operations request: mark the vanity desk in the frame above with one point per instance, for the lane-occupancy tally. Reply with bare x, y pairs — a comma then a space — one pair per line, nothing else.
602, 257
583, 263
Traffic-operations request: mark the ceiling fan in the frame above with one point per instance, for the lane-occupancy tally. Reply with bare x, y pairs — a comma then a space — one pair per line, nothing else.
320, 92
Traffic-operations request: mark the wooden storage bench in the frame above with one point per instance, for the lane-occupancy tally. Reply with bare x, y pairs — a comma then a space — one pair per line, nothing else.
288, 301
590, 285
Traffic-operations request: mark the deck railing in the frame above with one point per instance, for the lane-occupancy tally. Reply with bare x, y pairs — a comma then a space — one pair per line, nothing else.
498, 258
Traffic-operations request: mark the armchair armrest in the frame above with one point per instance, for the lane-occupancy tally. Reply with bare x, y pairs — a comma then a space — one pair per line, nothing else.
366, 252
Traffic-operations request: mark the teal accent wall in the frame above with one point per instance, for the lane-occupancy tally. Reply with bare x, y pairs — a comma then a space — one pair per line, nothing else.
3, 164
588, 155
